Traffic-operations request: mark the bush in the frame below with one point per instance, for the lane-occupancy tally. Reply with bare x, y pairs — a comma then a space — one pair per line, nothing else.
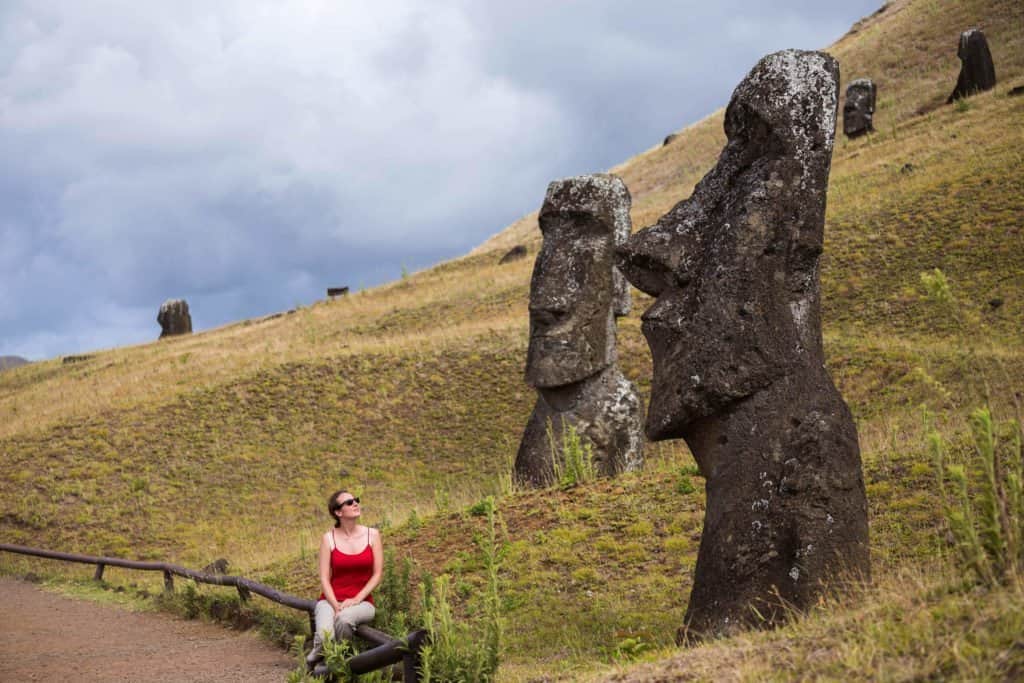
460, 652
392, 597
986, 516
983, 501
576, 464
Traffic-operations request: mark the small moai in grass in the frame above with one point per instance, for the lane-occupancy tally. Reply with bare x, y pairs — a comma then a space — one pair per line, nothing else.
174, 318
576, 293
516, 253
859, 108
977, 72
738, 364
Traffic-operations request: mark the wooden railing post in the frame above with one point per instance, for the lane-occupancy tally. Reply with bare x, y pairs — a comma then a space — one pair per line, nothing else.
98, 575
411, 658
168, 581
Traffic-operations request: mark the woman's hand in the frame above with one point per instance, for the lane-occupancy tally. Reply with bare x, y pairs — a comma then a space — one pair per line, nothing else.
347, 602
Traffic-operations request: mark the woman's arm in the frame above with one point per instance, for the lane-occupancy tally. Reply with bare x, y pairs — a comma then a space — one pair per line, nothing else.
325, 572
378, 567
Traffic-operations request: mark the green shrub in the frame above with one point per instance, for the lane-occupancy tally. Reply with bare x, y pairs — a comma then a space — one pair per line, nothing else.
576, 464
684, 485
986, 516
463, 652
983, 500
482, 508
392, 597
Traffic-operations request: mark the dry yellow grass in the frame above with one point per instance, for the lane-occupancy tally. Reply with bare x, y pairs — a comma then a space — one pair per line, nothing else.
414, 391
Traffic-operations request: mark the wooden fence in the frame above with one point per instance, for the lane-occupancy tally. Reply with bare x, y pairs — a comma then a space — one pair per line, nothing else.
386, 650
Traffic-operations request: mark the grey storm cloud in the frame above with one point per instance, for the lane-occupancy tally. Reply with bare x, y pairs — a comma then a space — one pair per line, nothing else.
247, 154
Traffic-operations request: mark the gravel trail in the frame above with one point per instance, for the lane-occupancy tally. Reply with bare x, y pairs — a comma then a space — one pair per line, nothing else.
50, 637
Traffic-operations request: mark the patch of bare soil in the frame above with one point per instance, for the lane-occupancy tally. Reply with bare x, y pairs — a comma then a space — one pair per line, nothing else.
49, 637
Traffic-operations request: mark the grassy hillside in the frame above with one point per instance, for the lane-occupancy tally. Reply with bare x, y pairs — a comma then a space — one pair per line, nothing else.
224, 443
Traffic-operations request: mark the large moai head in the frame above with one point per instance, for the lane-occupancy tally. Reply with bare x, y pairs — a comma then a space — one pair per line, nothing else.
859, 109
576, 292
734, 267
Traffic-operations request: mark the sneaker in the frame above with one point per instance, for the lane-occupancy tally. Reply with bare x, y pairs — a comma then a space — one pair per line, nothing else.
315, 655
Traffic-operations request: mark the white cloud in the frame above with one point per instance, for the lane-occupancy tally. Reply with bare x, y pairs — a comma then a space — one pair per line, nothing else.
243, 153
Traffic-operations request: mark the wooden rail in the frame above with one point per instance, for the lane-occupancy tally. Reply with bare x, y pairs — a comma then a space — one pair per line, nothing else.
387, 649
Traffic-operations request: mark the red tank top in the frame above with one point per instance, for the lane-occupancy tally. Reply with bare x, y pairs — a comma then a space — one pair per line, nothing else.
349, 573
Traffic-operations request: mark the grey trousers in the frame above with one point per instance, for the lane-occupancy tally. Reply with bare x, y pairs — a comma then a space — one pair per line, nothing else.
342, 626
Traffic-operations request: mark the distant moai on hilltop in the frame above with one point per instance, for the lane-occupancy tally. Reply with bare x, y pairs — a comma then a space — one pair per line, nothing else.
739, 371
575, 295
977, 72
859, 109
174, 318
516, 253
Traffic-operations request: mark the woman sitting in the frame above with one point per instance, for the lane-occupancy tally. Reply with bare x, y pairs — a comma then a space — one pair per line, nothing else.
351, 562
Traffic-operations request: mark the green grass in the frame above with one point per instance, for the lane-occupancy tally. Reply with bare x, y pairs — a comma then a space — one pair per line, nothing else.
224, 444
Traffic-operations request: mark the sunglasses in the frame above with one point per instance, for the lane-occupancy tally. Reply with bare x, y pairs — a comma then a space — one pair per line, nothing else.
344, 503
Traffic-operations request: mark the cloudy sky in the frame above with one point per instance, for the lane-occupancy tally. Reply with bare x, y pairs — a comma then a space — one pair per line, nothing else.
246, 154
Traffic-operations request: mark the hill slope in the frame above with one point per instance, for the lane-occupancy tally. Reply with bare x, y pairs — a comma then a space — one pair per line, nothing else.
224, 443
8, 362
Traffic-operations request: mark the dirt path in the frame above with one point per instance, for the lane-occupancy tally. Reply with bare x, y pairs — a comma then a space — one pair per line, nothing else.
49, 637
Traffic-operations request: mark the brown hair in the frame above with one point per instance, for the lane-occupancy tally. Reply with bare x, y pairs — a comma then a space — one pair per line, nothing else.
332, 506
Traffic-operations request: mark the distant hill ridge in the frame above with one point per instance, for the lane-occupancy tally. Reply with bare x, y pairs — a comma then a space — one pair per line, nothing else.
8, 362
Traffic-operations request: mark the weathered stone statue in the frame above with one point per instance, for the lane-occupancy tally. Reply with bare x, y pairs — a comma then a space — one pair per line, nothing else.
174, 318
575, 295
735, 335
977, 72
859, 109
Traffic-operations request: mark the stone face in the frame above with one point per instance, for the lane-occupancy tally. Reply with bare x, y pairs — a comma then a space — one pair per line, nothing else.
859, 109
977, 72
738, 364
575, 290
174, 318
575, 295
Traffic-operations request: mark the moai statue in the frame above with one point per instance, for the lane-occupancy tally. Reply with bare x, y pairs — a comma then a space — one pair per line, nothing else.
977, 72
174, 318
575, 295
859, 109
735, 335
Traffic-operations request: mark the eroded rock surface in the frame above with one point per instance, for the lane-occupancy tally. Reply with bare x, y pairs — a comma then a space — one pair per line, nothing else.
859, 108
977, 72
174, 318
575, 295
735, 335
